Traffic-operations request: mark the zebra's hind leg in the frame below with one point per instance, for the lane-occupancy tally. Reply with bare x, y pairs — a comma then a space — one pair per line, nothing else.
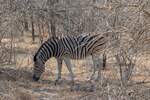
69, 67
97, 64
59, 68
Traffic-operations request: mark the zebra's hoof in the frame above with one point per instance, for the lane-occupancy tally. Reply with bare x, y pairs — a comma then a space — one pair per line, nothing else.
94, 79
75, 87
91, 78
58, 82
34, 78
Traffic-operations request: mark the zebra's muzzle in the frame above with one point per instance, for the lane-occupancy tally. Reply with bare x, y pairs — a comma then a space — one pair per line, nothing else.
35, 78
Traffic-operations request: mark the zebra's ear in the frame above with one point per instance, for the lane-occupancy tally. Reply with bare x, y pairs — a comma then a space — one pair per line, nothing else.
34, 58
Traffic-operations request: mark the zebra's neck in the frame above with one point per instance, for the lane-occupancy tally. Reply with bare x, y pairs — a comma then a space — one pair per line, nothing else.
48, 49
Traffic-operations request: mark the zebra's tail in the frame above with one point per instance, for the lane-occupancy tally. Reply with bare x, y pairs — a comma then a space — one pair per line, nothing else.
104, 61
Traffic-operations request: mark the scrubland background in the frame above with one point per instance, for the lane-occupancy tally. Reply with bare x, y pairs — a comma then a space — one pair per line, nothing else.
25, 24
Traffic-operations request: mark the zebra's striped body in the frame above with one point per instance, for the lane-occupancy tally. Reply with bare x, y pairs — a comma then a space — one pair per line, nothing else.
67, 47
82, 46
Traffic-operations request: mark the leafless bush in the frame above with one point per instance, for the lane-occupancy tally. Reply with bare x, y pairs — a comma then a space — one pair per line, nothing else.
127, 21
126, 66
7, 52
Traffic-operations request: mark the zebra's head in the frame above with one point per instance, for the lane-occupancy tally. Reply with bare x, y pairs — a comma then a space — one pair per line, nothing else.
38, 68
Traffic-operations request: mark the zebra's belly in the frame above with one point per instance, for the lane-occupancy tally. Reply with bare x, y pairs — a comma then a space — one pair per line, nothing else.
76, 56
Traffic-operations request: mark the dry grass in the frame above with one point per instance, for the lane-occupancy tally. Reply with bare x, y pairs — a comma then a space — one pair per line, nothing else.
17, 85
128, 20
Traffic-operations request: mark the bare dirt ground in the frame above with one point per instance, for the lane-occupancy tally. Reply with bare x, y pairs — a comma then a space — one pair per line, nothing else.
16, 80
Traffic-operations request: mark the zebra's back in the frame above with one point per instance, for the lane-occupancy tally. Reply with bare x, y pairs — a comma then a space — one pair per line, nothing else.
83, 45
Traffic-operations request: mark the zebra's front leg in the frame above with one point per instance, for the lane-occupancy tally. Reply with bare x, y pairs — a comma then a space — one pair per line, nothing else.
69, 67
59, 68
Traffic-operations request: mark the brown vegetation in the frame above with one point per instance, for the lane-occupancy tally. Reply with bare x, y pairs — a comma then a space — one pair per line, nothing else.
25, 24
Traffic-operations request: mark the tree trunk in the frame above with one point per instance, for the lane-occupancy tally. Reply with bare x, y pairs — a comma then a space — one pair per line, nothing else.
52, 15
53, 26
26, 25
25, 22
40, 33
33, 31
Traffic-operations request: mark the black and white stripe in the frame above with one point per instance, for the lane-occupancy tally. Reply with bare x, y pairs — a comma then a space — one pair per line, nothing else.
68, 47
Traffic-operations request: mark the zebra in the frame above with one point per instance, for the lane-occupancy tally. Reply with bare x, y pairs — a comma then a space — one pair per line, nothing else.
66, 48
